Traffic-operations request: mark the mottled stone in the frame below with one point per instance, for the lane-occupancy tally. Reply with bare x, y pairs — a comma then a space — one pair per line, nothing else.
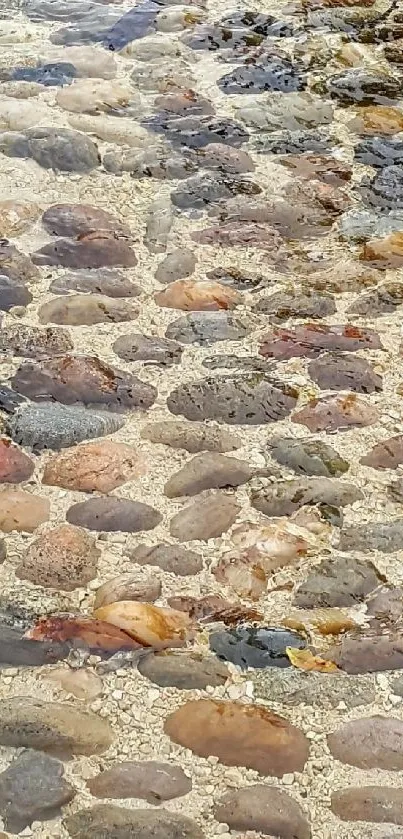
383, 300
313, 166
52, 727
65, 557
107, 820
198, 132
187, 671
289, 112
154, 782
104, 281
94, 467
22, 511
384, 536
237, 278
53, 148
16, 216
239, 735
111, 514
250, 399
193, 438
79, 219
198, 295
295, 687
153, 162
379, 151
263, 809
206, 328
148, 348
13, 294
32, 342
275, 73
291, 142
205, 519
333, 413
225, 159
388, 454
70, 379
337, 581
311, 339
369, 804
285, 497
386, 252
333, 371
15, 465
235, 362
177, 265
370, 743
86, 310
349, 276
378, 119
94, 250
368, 653
56, 74
171, 558
296, 303
308, 457
360, 225
235, 234
208, 471
257, 647
54, 426
363, 87
201, 190
10, 401
32, 789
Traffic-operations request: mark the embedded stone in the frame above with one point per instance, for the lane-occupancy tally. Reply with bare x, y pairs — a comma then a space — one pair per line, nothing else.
308, 457
13, 294
177, 265
290, 112
208, 471
378, 119
340, 581
386, 252
93, 250
58, 148
379, 152
388, 454
16, 216
333, 371
251, 646
15, 465
63, 558
120, 821
362, 87
369, 804
171, 558
111, 514
33, 342
205, 519
81, 310
208, 327
373, 536
94, 467
148, 348
104, 281
368, 653
276, 73
294, 687
194, 438
54, 426
127, 587
263, 809
370, 743
336, 412
199, 131
285, 497
297, 303
149, 780
383, 300
196, 295
22, 511
96, 96
187, 671
32, 789
311, 339
72, 220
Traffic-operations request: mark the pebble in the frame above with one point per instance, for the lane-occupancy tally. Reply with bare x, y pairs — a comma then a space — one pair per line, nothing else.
61, 149
383, 300
208, 471
79, 310
295, 688
205, 519
388, 454
103, 281
194, 438
83, 684
195, 295
33, 342
308, 457
15, 465
22, 511
94, 467
369, 804
62, 558
285, 497
310, 340
373, 536
341, 581
370, 743
368, 654
32, 789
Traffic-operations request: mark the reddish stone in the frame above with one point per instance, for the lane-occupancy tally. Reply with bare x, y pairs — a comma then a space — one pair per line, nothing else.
198, 296
94, 467
309, 340
79, 219
336, 412
15, 466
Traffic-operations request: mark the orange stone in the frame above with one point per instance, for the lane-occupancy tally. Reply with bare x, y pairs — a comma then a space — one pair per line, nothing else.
386, 252
198, 296
378, 119
94, 467
22, 511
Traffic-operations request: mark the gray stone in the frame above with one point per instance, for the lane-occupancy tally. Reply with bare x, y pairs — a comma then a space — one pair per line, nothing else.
285, 497
172, 558
205, 519
360, 225
32, 789
295, 687
291, 112
187, 671
61, 149
308, 457
158, 225
263, 809
337, 581
197, 437
208, 471
17, 651
54, 426
105, 281
104, 821
373, 536
154, 782
32, 342
177, 265
206, 328
148, 348
93, 251
111, 514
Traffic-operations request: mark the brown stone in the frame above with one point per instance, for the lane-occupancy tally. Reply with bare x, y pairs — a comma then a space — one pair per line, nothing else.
16, 265
198, 296
346, 276
378, 119
31, 342
336, 413
149, 625
65, 557
107, 281
154, 782
127, 587
16, 217
237, 234
386, 252
337, 581
15, 466
80, 219
369, 743
171, 558
309, 340
205, 519
193, 437
383, 805
265, 810
94, 467
105, 820
316, 166
94, 250
388, 454
82, 310
208, 471
110, 514
21, 510
245, 576
368, 654
239, 735
187, 671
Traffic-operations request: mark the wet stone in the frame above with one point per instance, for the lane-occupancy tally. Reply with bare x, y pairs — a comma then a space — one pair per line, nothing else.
334, 413
32, 789
371, 743
203, 189
53, 426
221, 36
250, 646
285, 497
242, 399
206, 328
388, 454
385, 189
154, 782
311, 339
239, 735
22, 511
344, 372
266, 810
61, 149
57, 74
208, 471
103, 281
275, 74
52, 727
188, 671
385, 537
94, 467
379, 152
171, 558
80, 219
108, 820
198, 132
70, 379
338, 581
205, 519
291, 142
111, 514
298, 303
148, 348
177, 265
32, 342
361, 87
370, 804
12, 294
383, 300
79, 310
308, 457
15, 465
196, 437
92, 251
295, 687
63, 558
135, 23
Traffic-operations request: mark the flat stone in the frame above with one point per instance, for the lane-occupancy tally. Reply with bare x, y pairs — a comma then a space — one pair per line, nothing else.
368, 654
238, 234
95, 96
187, 671
32, 789
94, 467
177, 265
80, 219
120, 821
127, 587
339, 581
291, 142
148, 348
257, 647
16, 265
196, 295
370, 743
321, 167
293, 688
171, 558
348, 276
308, 457
291, 112
86, 310
111, 129
70, 379
383, 300
388, 454
201, 190
362, 87
63, 558
13, 294
52, 727
369, 804
184, 103
22, 511
194, 438
15, 465
205, 519
33, 342
296, 303
240, 399
277, 73
153, 162
239, 735
207, 328
111, 514
90, 29
17, 651
385, 189
386, 605
61, 149
265, 810
208, 471
237, 278
104, 281
333, 371
373, 536
149, 780
332, 413
54, 426
225, 159
235, 362
158, 224
379, 151
312, 339
285, 497
95, 250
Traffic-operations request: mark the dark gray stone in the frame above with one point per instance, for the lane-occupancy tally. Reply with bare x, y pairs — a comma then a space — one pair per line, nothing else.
33, 788
61, 149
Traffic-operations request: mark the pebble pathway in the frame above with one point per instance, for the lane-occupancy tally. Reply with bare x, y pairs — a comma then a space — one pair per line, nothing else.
201, 450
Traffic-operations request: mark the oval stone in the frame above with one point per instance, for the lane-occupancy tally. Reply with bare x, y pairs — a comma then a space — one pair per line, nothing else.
369, 743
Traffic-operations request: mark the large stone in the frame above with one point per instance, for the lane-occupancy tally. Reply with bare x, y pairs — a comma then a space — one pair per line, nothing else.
63, 558
80, 219
196, 437
105, 820
15, 465
239, 735
86, 310
171, 558
255, 646
53, 148
205, 519
33, 788
154, 782
208, 471
52, 727
22, 511
285, 497
383, 300
104, 281
309, 340
265, 810
337, 582
13, 294
308, 457
148, 348
373, 536
207, 328
94, 250
54, 426
333, 371
18, 651
110, 514
197, 295
369, 743
368, 653
378, 804
187, 671
127, 587
94, 467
